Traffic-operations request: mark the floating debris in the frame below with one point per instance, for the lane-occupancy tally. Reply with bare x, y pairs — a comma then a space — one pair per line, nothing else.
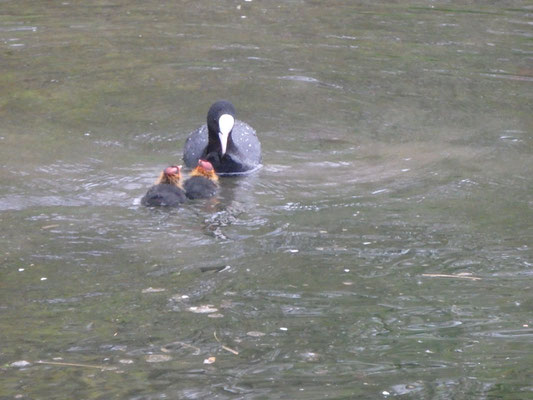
50, 226
20, 364
230, 350
217, 315
125, 361
153, 290
225, 347
216, 269
462, 275
178, 297
157, 358
255, 334
206, 309
210, 360
68, 364
283, 329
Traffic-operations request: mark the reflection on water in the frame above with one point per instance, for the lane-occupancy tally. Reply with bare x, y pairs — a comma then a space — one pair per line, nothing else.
383, 250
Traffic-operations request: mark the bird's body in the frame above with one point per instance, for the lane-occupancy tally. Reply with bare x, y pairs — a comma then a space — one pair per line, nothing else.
230, 145
167, 191
198, 187
164, 195
203, 182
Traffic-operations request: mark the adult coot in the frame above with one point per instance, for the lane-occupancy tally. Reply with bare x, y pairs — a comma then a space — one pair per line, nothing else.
167, 190
230, 145
203, 181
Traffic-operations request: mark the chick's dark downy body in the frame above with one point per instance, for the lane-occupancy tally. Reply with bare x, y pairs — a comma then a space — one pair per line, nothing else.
203, 182
167, 191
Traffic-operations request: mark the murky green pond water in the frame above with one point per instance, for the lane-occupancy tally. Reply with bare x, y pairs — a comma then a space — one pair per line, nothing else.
384, 249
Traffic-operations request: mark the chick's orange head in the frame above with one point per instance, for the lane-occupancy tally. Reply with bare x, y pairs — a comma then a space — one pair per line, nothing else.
173, 170
206, 165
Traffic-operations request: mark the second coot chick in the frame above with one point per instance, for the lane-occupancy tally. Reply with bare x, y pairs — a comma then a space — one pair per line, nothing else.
167, 190
203, 182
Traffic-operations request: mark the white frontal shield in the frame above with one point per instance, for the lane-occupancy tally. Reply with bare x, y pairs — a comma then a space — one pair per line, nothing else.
225, 125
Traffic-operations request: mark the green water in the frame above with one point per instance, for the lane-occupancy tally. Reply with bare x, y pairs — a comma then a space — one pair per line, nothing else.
384, 249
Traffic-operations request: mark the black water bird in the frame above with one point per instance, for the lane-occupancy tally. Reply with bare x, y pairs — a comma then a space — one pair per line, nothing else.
230, 145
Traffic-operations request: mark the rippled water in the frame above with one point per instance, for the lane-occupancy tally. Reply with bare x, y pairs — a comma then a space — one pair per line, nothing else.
384, 249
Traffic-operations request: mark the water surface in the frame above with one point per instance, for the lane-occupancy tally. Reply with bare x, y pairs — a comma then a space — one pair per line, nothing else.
384, 249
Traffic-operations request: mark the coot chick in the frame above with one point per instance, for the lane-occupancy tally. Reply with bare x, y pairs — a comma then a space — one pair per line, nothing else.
167, 190
230, 145
203, 181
